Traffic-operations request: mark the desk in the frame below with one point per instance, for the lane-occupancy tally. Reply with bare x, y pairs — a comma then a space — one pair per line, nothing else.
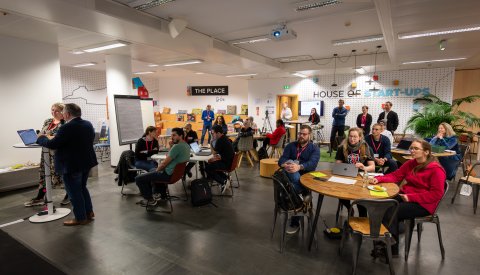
194, 158
340, 191
297, 123
403, 155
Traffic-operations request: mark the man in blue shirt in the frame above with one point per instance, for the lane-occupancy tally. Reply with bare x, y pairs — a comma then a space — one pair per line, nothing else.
207, 117
298, 158
381, 146
338, 126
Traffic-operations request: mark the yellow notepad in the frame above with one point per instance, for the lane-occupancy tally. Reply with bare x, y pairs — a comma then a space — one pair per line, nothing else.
318, 174
379, 194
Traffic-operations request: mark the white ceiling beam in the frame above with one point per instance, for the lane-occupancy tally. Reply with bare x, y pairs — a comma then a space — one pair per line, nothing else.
384, 12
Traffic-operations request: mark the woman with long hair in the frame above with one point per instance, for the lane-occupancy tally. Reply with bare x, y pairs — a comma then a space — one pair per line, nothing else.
447, 137
314, 118
423, 191
221, 121
147, 146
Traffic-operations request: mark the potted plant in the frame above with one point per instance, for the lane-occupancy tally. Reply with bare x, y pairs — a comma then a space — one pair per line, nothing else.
435, 111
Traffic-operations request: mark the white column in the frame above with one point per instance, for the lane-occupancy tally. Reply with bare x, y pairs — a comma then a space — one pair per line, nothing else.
119, 82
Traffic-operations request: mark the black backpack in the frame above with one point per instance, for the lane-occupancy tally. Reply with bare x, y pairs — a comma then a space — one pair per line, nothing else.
201, 192
285, 195
262, 153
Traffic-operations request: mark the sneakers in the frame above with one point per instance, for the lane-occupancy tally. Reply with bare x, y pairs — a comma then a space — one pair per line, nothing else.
65, 201
225, 186
34, 202
293, 228
159, 197
145, 202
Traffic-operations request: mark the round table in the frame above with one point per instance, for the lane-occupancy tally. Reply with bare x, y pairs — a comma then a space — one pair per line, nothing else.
340, 191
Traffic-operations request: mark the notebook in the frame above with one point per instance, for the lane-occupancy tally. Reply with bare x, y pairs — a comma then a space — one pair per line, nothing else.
29, 136
345, 169
199, 152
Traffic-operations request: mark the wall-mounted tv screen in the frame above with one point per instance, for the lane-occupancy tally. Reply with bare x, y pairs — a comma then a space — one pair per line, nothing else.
305, 107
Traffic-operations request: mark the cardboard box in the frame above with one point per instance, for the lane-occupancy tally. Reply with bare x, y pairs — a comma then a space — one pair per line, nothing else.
232, 109
166, 110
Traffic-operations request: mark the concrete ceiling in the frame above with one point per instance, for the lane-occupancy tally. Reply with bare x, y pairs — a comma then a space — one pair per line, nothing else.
212, 24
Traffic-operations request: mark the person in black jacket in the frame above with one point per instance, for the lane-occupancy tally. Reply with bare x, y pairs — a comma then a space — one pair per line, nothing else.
74, 157
364, 121
190, 137
314, 118
390, 116
147, 146
381, 146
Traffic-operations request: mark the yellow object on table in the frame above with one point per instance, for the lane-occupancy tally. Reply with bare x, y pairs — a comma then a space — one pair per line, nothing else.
318, 174
382, 194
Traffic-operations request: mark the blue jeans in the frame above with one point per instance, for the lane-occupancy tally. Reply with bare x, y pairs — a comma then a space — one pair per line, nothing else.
144, 183
205, 129
76, 186
146, 165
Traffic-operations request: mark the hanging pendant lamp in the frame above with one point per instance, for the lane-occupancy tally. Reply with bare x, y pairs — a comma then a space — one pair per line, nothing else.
334, 71
354, 82
375, 76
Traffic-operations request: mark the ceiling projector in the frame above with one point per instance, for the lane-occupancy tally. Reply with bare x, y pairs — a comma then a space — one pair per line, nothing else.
282, 33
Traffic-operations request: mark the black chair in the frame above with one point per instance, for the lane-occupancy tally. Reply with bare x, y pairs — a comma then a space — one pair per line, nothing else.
472, 181
370, 228
410, 225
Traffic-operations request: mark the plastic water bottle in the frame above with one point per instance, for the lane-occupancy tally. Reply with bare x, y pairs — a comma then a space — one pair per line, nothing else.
365, 179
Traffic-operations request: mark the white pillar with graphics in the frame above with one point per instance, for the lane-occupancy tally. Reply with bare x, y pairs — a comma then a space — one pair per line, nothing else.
119, 82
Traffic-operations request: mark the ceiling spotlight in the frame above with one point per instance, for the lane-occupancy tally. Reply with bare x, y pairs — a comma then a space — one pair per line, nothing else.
443, 44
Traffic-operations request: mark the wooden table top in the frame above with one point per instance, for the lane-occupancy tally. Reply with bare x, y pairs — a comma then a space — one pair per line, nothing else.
259, 136
344, 191
406, 152
295, 122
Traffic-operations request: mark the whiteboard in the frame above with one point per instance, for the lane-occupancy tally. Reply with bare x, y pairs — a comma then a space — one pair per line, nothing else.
129, 118
305, 107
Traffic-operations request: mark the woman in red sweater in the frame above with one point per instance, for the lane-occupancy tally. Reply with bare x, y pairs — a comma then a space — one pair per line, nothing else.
274, 138
424, 189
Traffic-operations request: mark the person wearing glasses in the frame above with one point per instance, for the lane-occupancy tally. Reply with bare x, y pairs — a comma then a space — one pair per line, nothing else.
381, 146
421, 194
298, 158
446, 137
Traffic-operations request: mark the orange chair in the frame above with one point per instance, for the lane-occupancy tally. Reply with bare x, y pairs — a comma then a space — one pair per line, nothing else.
233, 168
177, 175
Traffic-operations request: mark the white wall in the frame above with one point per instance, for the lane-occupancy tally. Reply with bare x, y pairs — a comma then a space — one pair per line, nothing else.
29, 85
173, 93
438, 81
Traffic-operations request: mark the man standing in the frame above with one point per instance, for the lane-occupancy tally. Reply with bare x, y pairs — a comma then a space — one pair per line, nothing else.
207, 117
381, 146
74, 157
286, 114
298, 158
222, 159
390, 116
364, 121
180, 152
338, 126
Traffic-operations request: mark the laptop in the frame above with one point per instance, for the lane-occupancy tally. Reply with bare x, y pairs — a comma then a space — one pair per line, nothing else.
345, 169
404, 144
199, 152
29, 136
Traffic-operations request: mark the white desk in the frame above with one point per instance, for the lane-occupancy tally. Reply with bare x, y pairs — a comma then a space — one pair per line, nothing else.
193, 158
59, 213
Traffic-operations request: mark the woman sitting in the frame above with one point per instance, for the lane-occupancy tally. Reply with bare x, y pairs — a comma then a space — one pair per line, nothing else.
447, 137
354, 150
274, 138
146, 146
314, 118
221, 121
423, 191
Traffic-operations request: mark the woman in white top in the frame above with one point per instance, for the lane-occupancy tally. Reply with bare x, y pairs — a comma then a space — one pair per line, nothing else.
286, 114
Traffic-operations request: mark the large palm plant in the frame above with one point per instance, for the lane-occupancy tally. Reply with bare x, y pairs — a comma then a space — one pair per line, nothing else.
435, 111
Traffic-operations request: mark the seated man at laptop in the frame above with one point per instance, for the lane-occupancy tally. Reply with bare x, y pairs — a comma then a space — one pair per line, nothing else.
354, 150
180, 152
222, 159
298, 158
381, 146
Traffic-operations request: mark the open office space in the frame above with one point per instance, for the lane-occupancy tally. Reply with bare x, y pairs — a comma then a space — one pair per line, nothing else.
307, 85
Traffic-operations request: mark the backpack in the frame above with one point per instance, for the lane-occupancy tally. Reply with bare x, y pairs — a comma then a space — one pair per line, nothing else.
262, 153
201, 193
285, 195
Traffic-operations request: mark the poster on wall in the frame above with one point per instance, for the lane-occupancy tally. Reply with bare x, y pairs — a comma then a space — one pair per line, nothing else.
208, 90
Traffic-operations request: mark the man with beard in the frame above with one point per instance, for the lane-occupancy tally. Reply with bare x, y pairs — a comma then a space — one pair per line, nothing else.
298, 158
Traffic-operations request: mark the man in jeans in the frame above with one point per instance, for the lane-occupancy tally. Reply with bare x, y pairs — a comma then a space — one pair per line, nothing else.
338, 126
180, 152
207, 116
298, 158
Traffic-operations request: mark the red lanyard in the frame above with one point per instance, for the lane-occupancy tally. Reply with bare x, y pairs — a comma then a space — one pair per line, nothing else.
373, 143
50, 126
151, 147
299, 152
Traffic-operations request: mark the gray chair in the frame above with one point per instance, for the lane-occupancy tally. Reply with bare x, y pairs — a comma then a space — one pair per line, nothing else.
410, 225
277, 149
370, 228
245, 145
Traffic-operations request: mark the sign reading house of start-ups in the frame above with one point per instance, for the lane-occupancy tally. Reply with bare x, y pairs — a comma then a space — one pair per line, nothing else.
208, 90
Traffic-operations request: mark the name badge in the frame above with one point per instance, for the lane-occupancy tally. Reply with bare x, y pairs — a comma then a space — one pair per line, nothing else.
363, 125
375, 156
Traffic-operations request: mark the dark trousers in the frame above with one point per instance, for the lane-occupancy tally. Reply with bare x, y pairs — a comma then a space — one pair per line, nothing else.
189, 167
391, 164
146, 165
362, 211
340, 129
144, 183
76, 186
266, 142
205, 129
406, 210
210, 170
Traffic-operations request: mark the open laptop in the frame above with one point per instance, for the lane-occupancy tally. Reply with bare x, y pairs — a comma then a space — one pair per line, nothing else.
29, 136
199, 152
404, 144
345, 169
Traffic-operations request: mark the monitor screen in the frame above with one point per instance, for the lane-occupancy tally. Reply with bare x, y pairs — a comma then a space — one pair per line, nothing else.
305, 107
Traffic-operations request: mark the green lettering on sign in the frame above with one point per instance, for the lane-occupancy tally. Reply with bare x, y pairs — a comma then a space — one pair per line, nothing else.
286, 87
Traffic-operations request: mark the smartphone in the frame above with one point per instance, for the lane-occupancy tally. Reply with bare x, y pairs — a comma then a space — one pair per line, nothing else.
320, 179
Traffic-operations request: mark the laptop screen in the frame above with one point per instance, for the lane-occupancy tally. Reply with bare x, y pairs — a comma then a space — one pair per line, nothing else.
28, 136
195, 147
404, 144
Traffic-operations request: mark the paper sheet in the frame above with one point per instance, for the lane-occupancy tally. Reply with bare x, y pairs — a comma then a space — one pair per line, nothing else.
379, 194
318, 174
342, 180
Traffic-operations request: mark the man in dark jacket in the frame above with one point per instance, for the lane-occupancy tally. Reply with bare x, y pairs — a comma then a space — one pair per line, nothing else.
74, 157
390, 116
381, 146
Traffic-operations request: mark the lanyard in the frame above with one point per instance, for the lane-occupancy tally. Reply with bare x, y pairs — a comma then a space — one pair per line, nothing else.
50, 126
151, 147
373, 143
299, 152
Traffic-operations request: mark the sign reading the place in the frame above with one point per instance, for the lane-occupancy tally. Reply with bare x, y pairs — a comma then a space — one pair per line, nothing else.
209, 90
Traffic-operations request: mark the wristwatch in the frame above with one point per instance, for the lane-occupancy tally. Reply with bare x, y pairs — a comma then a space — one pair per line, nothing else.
301, 167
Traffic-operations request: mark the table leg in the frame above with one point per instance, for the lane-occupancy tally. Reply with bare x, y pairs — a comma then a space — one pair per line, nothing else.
314, 226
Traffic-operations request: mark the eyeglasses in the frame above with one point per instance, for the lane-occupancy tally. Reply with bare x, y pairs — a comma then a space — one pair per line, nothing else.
376, 129
303, 134
415, 149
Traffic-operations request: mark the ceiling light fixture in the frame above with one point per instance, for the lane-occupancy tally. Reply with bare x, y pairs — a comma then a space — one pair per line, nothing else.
410, 35
105, 46
442, 45
84, 64
316, 5
184, 62
153, 65
199, 73
435, 60
360, 70
147, 72
142, 5
240, 75
356, 40
76, 52
334, 71
251, 40
299, 75
375, 76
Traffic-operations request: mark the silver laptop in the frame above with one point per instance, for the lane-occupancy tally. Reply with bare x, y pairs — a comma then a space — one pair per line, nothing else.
199, 152
29, 136
345, 169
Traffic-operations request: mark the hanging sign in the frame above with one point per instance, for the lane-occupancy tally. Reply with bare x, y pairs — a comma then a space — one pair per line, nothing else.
208, 90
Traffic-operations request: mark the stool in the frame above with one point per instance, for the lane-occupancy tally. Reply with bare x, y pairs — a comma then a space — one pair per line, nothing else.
268, 167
